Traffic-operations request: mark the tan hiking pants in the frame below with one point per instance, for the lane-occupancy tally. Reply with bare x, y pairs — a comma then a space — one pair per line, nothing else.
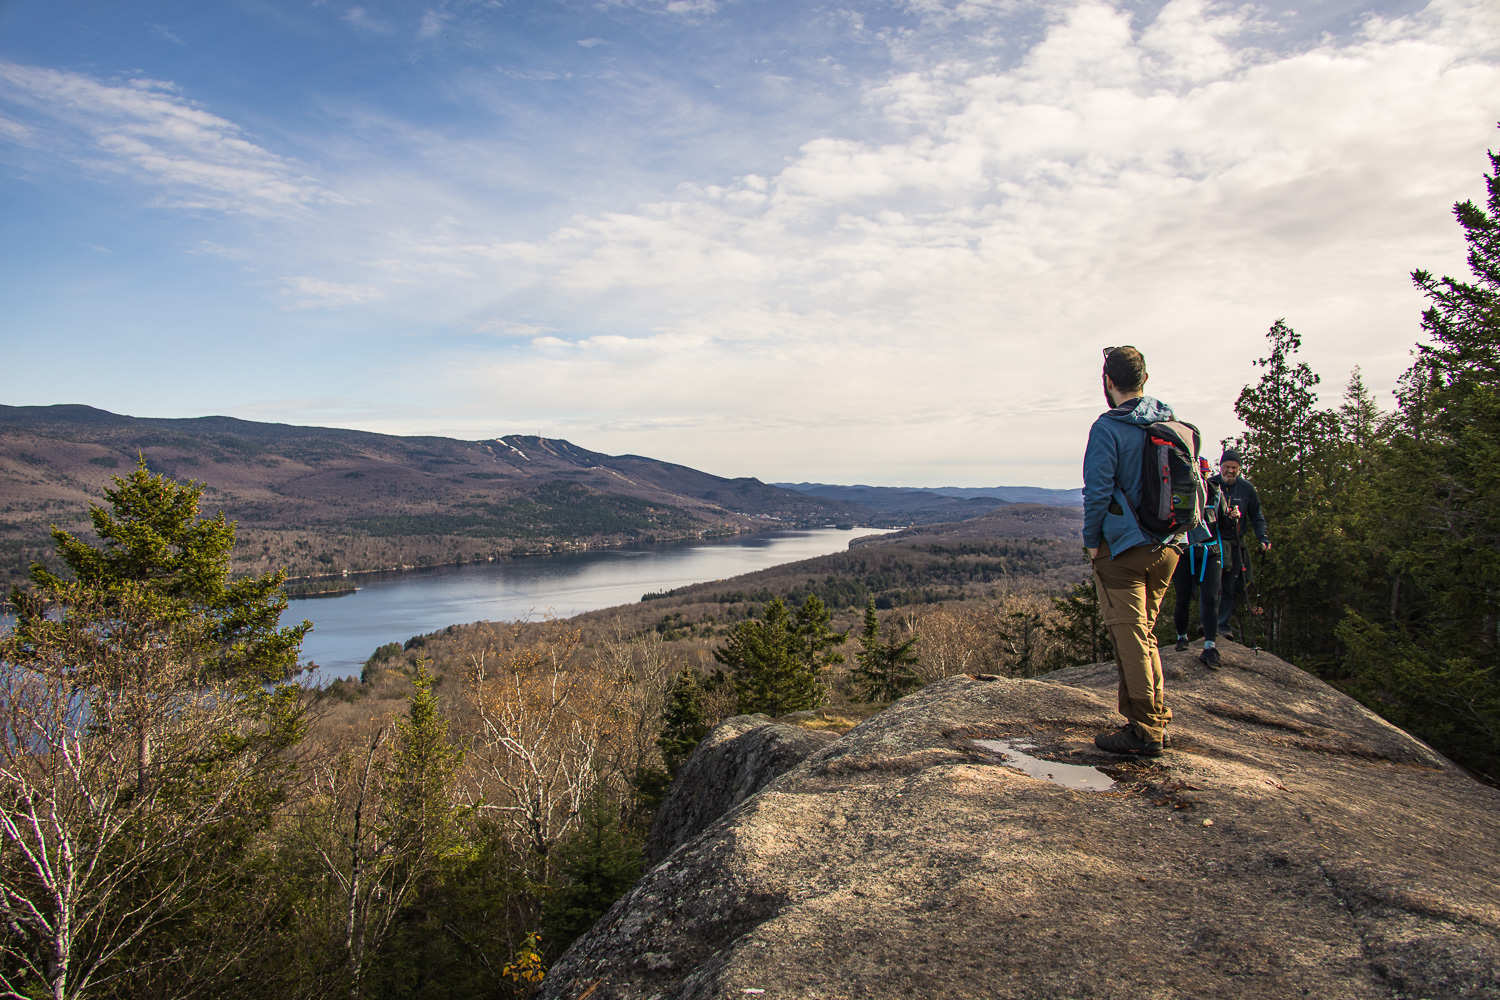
1131, 589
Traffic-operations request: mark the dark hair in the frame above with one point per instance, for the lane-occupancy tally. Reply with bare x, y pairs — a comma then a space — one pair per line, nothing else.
1126, 368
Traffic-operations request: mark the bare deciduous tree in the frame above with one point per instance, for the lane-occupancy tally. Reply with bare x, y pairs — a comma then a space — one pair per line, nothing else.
951, 643
122, 763
541, 724
642, 668
1018, 635
358, 846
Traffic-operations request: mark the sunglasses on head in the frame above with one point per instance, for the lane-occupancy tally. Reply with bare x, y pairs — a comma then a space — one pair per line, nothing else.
1108, 351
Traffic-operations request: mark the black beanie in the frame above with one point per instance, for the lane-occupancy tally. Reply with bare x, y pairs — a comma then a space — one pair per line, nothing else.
1230, 455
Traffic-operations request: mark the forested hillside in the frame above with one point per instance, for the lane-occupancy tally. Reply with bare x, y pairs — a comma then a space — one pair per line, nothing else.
323, 501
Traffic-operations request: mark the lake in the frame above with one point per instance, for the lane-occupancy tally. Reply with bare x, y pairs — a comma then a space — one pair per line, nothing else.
393, 607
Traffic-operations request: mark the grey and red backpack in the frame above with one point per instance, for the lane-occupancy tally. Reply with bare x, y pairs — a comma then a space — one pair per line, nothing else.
1173, 496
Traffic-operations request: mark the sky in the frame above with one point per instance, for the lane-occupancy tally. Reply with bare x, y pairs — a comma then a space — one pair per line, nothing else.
876, 241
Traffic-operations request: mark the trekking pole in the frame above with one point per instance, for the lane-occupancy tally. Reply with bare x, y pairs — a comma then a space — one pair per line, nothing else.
1242, 592
1239, 611
1257, 612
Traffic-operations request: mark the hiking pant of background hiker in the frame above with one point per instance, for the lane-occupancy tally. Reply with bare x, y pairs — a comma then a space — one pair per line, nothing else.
1198, 569
1233, 589
1131, 589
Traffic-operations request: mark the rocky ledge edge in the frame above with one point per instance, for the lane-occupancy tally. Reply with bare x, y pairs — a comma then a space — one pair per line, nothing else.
1290, 844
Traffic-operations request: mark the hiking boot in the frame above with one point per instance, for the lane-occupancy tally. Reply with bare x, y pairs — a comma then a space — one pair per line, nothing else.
1182, 645
1227, 634
1127, 743
1210, 658
1166, 737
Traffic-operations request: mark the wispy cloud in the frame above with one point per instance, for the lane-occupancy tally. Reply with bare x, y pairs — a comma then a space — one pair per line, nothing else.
682, 8
163, 31
362, 19
433, 23
145, 129
316, 293
512, 328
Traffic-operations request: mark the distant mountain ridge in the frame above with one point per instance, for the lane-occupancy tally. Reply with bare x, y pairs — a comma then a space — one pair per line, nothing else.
326, 502
330, 501
955, 502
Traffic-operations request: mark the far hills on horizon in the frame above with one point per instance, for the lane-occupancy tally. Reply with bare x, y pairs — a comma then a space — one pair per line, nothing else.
948, 503
329, 502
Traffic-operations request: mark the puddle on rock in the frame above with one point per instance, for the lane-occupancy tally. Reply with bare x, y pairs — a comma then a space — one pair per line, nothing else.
1088, 779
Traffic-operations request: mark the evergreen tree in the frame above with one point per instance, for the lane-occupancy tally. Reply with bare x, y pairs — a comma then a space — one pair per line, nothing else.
684, 723
457, 933
813, 636
596, 863
1020, 634
177, 758
419, 794
153, 538
776, 660
449, 887
884, 671
1449, 444
1386, 574
1293, 455
1426, 655
1360, 423
1080, 626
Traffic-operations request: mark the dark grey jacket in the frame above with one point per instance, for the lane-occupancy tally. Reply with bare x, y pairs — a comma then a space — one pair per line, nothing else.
1242, 495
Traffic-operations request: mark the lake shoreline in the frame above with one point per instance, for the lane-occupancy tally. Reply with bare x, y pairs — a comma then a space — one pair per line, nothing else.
394, 606
572, 549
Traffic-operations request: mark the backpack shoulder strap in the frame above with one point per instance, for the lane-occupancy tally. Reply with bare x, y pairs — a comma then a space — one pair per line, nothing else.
1181, 433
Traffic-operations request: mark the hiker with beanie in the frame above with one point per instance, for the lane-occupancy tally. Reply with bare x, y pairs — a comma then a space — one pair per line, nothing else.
1245, 505
1201, 569
1132, 568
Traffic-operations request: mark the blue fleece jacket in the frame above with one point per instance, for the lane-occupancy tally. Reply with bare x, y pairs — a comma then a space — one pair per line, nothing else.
1112, 474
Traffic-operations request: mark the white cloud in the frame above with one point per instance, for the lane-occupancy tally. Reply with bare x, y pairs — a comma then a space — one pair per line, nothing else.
512, 328
433, 23
15, 131
316, 293
145, 129
1189, 41
948, 11
686, 8
164, 32
364, 21
1152, 183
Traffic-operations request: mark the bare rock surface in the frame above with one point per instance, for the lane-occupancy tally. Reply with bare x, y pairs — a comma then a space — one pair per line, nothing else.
1291, 844
739, 758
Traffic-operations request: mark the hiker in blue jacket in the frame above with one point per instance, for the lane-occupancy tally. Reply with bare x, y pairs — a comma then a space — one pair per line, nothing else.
1240, 493
1201, 569
1131, 569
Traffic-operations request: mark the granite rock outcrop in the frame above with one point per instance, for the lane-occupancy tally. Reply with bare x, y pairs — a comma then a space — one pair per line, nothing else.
1290, 844
739, 758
